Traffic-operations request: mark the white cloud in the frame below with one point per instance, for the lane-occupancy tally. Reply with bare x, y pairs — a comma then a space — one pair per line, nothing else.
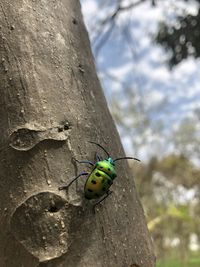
89, 8
121, 71
154, 97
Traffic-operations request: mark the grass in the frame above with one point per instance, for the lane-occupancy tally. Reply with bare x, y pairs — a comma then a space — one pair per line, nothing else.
193, 261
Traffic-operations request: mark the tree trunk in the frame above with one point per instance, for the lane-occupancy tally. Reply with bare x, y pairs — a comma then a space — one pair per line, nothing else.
51, 104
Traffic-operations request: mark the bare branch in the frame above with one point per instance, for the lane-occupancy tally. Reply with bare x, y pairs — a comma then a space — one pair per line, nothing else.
104, 38
121, 8
101, 39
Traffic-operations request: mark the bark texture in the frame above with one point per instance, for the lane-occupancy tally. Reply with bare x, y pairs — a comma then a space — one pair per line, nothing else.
51, 104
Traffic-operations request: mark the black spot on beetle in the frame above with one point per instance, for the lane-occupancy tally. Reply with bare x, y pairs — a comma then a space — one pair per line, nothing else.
90, 190
93, 182
97, 174
108, 169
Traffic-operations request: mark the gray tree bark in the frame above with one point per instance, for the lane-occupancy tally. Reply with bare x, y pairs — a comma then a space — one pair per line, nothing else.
51, 104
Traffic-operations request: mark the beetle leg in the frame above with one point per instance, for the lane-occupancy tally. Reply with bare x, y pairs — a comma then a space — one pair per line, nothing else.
74, 179
84, 161
103, 198
98, 157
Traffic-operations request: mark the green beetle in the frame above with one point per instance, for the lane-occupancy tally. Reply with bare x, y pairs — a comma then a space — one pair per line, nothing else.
97, 185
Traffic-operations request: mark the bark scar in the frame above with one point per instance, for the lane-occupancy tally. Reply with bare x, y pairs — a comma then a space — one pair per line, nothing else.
29, 135
40, 224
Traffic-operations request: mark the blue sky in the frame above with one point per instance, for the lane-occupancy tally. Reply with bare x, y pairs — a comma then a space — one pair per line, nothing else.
135, 60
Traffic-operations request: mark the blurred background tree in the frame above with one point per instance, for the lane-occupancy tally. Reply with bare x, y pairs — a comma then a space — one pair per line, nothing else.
147, 55
182, 38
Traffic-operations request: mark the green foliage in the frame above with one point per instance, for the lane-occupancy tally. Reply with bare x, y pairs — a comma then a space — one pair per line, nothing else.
168, 216
186, 136
179, 170
179, 212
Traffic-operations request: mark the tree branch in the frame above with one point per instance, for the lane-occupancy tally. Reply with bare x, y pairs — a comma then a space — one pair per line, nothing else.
101, 39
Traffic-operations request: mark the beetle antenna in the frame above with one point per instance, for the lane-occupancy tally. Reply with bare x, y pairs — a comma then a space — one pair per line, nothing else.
126, 158
100, 147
